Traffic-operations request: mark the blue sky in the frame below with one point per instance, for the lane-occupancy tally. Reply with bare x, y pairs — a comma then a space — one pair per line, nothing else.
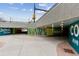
22, 11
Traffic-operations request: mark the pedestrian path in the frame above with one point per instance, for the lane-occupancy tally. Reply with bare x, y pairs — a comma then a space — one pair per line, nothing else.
25, 45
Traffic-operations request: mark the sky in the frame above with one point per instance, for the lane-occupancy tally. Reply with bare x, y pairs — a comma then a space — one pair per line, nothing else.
22, 12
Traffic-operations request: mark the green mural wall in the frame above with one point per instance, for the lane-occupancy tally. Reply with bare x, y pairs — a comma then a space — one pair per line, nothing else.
74, 36
47, 31
5, 31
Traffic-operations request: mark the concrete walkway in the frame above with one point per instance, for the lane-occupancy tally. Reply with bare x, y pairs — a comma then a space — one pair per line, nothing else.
25, 45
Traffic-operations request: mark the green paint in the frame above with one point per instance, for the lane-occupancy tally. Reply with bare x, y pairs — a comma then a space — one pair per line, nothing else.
13, 31
74, 36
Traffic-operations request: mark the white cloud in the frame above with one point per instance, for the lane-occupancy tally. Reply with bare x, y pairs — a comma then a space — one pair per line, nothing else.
23, 9
42, 4
21, 3
27, 19
31, 9
48, 8
1, 13
10, 3
39, 12
14, 8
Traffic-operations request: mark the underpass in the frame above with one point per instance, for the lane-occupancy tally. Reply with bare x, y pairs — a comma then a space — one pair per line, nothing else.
50, 35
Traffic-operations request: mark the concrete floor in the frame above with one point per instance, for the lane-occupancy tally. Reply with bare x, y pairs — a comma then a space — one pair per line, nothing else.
25, 45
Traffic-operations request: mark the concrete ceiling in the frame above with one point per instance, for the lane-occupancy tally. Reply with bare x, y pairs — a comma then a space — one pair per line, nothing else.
67, 22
